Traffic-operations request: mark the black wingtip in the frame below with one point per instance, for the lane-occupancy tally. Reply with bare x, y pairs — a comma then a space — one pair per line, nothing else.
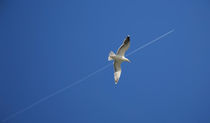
115, 86
128, 37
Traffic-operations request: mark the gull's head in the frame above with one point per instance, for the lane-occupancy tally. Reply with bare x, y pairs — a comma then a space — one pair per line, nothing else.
127, 60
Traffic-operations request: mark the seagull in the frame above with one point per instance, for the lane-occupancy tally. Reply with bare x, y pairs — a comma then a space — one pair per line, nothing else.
119, 58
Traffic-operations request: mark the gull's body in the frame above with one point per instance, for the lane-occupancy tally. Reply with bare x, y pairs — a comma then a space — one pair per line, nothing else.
119, 58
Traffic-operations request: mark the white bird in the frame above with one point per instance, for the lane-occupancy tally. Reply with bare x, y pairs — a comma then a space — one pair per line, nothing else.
119, 58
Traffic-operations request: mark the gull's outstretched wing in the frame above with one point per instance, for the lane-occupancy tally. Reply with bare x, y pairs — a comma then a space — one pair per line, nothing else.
117, 71
124, 47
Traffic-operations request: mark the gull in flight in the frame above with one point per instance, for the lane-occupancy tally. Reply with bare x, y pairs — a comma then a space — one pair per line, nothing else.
119, 58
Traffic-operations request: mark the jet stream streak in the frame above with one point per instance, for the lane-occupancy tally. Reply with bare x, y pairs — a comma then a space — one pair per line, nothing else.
78, 81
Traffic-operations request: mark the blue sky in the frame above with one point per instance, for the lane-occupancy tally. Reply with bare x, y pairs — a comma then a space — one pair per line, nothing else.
46, 45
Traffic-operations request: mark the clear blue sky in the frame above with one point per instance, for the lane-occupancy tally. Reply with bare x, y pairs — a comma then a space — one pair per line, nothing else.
46, 45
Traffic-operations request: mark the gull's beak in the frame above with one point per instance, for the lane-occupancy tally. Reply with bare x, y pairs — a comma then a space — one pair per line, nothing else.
129, 61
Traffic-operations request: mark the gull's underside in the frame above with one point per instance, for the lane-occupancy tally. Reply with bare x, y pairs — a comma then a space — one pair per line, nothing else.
119, 58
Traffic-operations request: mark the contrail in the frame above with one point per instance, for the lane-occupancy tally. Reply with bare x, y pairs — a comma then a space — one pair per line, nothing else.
80, 80
149, 43
54, 93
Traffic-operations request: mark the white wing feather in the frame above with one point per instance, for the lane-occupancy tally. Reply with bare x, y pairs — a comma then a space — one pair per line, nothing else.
117, 69
124, 47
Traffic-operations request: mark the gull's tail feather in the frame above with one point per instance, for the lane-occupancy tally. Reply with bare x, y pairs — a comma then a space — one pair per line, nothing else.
111, 54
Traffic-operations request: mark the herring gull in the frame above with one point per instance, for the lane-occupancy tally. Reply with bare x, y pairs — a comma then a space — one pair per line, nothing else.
119, 57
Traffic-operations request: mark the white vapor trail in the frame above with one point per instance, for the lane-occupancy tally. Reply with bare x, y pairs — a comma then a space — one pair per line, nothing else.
54, 93
79, 81
151, 42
